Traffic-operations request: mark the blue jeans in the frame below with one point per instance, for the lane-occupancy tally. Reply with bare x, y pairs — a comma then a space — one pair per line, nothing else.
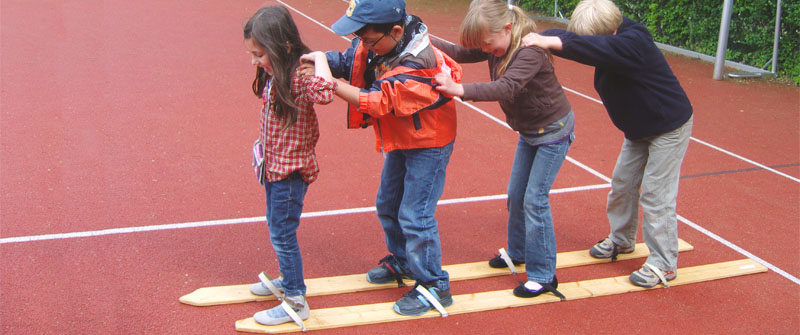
284, 206
411, 184
530, 224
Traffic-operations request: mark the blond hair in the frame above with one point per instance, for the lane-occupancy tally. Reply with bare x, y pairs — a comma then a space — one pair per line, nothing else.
491, 16
595, 17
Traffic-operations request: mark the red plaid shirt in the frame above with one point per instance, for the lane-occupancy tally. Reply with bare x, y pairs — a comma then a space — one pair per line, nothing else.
292, 149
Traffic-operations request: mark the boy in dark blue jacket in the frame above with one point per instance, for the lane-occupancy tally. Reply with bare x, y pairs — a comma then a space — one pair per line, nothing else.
645, 100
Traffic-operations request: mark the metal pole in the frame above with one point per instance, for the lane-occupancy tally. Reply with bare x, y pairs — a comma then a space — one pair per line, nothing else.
722, 44
777, 37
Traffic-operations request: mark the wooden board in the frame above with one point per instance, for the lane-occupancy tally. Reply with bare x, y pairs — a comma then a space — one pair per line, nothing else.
232, 294
483, 301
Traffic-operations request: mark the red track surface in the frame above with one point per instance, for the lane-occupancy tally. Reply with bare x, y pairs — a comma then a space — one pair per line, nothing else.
138, 113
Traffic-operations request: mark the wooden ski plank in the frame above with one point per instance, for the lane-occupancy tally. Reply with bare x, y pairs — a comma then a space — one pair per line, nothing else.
483, 301
220, 295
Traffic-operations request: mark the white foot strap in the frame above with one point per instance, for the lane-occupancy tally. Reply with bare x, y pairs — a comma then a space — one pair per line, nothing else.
507, 259
267, 281
432, 300
292, 314
658, 273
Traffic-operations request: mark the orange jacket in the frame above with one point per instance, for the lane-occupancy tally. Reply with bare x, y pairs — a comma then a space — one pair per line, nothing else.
404, 108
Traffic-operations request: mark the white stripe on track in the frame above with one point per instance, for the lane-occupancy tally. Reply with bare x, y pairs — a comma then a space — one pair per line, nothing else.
745, 159
312, 19
739, 250
582, 95
199, 224
689, 223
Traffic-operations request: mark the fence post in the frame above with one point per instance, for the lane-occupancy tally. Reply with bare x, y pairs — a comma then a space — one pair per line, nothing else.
777, 37
722, 45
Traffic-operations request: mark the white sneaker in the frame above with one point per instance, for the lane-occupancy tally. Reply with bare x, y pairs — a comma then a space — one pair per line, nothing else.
277, 315
262, 290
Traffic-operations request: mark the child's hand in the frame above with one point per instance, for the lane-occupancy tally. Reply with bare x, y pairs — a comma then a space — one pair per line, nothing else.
311, 57
544, 42
532, 39
447, 86
315, 64
306, 68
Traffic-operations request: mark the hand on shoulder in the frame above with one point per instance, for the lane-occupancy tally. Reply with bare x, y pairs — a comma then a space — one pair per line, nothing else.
544, 42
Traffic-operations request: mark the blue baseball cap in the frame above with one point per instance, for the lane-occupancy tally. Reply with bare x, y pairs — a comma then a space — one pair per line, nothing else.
363, 12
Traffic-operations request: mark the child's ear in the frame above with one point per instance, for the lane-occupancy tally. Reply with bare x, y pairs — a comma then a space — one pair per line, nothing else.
397, 31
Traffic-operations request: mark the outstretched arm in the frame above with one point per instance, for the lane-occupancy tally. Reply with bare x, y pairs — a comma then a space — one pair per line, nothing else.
318, 62
347, 92
447, 86
317, 82
544, 42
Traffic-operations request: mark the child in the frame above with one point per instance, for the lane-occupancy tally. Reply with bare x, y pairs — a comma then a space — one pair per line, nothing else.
524, 83
289, 132
645, 101
390, 66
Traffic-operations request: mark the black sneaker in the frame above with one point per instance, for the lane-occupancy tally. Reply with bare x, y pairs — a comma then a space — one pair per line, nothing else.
523, 292
498, 263
414, 304
388, 270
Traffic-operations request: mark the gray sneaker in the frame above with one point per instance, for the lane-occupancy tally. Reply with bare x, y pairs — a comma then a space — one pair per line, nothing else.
608, 249
261, 289
647, 277
277, 315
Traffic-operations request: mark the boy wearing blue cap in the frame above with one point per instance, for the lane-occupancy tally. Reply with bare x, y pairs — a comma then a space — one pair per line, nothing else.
390, 68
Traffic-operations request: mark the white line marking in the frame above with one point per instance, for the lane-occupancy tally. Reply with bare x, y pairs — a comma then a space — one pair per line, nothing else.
582, 95
211, 223
312, 20
745, 159
588, 169
739, 250
484, 113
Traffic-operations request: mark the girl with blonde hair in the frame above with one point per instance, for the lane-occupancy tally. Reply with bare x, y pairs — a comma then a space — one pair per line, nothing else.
524, 83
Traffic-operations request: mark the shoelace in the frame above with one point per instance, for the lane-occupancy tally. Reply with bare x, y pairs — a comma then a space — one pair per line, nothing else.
412, 292
614, 250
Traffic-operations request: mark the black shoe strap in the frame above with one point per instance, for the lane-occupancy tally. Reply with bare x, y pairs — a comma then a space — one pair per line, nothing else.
554, 291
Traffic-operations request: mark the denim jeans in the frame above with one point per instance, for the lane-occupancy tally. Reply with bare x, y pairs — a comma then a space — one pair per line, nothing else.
654, 165
530, 223
284, 206
411, 184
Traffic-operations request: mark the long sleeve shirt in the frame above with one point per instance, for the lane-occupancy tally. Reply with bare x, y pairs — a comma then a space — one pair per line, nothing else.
642, 96
528, 92
292, 149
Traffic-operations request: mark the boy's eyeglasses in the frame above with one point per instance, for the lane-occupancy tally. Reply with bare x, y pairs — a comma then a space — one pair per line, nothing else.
372, 44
